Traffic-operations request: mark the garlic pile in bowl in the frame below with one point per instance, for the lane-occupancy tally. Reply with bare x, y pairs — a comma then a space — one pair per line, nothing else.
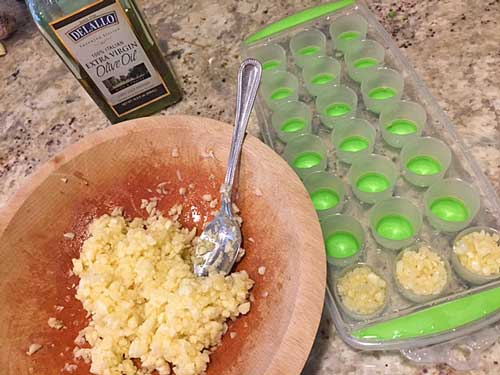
137, 284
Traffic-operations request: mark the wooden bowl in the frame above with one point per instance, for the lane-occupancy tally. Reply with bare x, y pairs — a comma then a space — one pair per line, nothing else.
118, 167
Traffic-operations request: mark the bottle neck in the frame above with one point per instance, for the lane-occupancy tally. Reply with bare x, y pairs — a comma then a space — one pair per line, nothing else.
45, 11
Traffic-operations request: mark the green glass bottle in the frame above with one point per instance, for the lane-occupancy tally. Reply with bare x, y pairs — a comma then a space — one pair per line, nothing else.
111, 50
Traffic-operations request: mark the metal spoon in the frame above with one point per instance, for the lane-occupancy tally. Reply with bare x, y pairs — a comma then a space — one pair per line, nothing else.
219, 245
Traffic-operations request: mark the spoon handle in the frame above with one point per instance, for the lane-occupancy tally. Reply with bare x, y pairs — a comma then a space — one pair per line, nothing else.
249, 76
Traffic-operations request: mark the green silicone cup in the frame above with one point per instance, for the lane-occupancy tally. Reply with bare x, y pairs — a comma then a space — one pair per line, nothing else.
347, 31
425, 161
344, 239
338, 103
402, 122
278, 88
395, 223
353, 138
451, 204
291, 119
372, 178
320, 73
327, 192
363, 60
271, 56
465, 273
412, 296
383, 88
306, 154
307, 45
352, 314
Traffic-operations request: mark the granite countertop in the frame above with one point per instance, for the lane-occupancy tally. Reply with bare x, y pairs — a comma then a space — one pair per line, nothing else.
453, 44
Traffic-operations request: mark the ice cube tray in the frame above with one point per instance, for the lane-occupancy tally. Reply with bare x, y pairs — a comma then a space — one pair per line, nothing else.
463, 308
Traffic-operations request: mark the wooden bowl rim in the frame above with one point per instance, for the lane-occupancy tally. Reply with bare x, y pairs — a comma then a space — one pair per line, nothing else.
293, 350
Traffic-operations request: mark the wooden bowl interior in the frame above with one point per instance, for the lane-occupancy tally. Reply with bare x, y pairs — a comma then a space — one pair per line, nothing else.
119, 167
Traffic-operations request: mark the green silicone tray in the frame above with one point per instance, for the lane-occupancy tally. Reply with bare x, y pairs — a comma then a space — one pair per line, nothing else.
463, 309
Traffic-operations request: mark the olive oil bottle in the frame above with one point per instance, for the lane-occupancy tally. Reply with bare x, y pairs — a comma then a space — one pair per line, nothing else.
109, 47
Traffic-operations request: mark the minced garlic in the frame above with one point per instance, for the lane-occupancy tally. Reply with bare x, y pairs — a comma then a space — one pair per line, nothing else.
54, 323
362, 291
33, 348
137, 282
69, 236
422, 272
479, 252
70, 367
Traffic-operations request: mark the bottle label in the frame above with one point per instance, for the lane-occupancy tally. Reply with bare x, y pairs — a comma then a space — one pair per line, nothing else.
101, 39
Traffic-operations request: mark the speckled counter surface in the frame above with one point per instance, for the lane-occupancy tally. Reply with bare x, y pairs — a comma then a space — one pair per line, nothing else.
453, 44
